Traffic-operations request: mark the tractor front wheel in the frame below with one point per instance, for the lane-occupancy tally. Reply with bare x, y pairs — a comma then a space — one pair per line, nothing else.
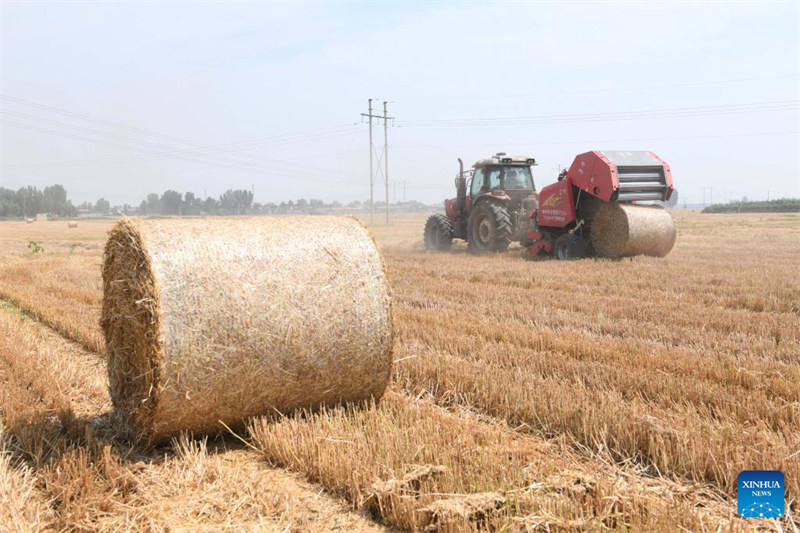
570, 246
438, 233
489, 228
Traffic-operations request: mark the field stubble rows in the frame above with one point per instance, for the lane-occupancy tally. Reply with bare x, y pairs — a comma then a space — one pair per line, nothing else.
685, 367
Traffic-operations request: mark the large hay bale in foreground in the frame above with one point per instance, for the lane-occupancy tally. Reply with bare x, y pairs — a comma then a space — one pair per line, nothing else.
216, 320
628, 230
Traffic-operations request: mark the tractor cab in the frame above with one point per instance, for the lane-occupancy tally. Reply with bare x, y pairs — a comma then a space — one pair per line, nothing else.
503, 175
491, 207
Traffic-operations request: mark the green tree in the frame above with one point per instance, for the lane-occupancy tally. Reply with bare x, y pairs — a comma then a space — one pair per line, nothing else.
210, 205
54, 200
171, 203
153, 204
8, 203
29, 200
236, 200
190, 204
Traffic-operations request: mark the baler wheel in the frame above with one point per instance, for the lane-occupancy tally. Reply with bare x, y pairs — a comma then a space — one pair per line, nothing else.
570, 246
438, 233
489, 228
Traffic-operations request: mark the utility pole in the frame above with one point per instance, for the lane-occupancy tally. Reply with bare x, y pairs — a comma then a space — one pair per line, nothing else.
386, 157
402, 183
372, 153
371, 172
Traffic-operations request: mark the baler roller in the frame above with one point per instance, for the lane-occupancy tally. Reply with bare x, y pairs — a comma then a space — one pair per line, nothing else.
639, 182
626, 186
631, 196
645, 176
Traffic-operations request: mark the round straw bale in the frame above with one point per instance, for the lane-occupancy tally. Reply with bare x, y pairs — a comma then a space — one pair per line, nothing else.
627, 230
215, 320
72, 223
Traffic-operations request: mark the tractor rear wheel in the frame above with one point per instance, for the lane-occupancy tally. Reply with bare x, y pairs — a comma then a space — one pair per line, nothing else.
438, 233
570, 246
489, 228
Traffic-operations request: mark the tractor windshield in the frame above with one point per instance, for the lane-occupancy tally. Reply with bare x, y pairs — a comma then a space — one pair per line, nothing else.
518, 178
495, 178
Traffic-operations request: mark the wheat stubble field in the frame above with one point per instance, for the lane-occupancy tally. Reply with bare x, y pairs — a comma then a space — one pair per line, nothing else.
527, 396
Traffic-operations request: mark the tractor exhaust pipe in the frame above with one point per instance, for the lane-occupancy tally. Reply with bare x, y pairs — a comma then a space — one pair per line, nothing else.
461, 187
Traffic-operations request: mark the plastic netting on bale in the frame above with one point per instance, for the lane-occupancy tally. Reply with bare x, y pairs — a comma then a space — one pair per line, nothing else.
627, 230
213, 321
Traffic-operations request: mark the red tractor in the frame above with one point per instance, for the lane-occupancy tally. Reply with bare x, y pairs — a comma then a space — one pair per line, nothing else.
491, 209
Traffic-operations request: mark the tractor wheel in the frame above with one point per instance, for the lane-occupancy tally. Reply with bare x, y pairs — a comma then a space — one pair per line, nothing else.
489, 228
569, 246
438, 233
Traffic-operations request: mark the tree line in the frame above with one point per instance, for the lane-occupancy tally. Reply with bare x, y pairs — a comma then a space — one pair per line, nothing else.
29, 201
231, 202
240, 201
782, 205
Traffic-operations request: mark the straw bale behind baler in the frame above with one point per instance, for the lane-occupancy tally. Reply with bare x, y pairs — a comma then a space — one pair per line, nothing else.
628, 230
216, 320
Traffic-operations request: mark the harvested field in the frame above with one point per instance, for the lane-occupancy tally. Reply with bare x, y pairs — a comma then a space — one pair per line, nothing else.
62, 453
576, 396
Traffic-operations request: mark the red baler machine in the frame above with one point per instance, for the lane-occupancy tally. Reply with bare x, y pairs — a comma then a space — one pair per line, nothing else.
562, 223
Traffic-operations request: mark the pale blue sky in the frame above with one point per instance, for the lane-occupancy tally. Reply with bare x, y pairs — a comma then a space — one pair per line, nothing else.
286, 82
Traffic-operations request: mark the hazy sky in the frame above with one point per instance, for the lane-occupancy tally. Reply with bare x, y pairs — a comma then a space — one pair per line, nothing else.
122, 99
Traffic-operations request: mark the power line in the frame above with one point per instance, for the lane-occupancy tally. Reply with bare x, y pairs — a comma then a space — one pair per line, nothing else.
170, 151
561, 91
142, 131
779, 105
597, 142
198, 156
230, 162
240, 164
199, 148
